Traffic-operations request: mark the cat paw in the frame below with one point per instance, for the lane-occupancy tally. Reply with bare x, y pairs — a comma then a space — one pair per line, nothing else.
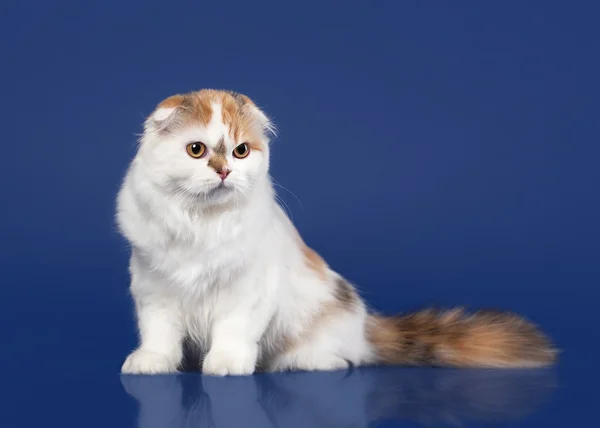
239, 362
147, 362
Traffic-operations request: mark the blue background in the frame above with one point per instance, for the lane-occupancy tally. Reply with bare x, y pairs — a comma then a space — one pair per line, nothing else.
439, 152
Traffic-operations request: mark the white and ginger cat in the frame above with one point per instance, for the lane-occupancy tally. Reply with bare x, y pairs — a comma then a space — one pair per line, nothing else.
217, 262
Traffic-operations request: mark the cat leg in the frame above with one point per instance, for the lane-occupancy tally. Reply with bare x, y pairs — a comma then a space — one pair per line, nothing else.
309, 358
159, 319
333, 343
234, 348
240, 319
161, 334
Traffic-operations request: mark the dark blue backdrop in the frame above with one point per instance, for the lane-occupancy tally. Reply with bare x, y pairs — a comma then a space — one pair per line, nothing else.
443, 152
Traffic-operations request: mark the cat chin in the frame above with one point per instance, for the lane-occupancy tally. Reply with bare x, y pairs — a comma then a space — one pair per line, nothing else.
217, 194
220, 195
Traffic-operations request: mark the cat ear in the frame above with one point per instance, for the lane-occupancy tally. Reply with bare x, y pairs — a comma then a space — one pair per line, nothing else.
163, 113
258, 121
265, 123
166, 111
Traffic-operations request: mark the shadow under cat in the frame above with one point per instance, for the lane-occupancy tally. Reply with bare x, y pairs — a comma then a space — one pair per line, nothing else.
355, 398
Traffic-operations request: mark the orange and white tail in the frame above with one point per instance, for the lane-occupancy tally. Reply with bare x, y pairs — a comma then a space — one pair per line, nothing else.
456, 339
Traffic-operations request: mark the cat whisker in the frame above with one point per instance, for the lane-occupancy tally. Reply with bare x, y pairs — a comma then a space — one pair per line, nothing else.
275, 183
285, 206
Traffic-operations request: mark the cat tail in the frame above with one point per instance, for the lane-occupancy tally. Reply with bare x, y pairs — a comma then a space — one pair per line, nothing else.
453, 338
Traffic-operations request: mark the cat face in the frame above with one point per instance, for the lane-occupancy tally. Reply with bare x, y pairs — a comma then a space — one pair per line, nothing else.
207, 147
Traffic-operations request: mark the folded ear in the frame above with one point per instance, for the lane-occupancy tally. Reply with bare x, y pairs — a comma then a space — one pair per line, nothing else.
267, 127
258, 119
165, 112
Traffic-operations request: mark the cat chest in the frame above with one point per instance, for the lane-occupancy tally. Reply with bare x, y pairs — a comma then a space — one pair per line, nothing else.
190, 265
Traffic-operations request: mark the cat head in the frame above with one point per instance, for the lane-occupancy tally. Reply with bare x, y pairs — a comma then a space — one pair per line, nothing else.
209, 146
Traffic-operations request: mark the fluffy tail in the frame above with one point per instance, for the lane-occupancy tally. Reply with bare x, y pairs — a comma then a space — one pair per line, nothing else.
456, 339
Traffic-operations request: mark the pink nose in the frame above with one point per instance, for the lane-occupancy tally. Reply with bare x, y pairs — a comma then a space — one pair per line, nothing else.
223, 172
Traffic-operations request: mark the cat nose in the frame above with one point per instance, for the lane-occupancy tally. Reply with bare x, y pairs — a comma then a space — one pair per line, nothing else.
223, 172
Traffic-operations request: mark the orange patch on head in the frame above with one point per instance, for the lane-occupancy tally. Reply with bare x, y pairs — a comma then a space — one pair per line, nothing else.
202, 104
173, 101
192, 108
239, 113
232, 116
238, 117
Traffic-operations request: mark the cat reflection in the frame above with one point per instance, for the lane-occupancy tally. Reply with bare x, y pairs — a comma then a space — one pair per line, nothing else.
358, 398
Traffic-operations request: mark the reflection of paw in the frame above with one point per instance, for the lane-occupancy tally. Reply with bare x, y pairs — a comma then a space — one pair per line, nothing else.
165, 389
229, 362
147, 362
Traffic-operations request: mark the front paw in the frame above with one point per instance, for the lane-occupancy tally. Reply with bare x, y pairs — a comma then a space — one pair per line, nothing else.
236, 362
147, 362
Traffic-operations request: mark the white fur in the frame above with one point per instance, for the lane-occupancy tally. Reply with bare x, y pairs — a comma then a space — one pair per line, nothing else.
162, 113
223, 267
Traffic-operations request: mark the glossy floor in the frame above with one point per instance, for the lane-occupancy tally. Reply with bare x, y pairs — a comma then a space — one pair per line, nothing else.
358, 398
65, 349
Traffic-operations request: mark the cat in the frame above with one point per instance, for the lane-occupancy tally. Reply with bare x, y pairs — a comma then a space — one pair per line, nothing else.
216, 262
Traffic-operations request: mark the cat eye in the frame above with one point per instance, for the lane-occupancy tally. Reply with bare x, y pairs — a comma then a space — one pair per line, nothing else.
196, 150
241, 151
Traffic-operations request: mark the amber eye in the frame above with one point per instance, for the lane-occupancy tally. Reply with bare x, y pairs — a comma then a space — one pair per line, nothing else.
196, 150
241, 151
